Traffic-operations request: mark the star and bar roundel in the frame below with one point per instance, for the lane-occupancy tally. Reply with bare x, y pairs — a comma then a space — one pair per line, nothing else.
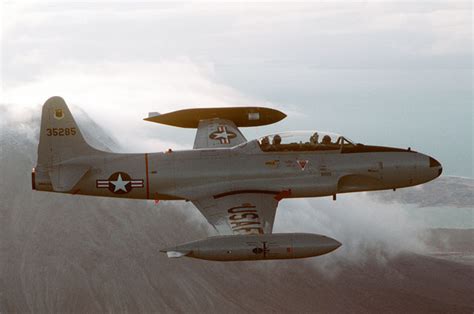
222, 135
119, 183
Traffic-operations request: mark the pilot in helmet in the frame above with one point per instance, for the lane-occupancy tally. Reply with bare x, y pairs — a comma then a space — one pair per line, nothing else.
276, 140
314, 138
326, 140
265, 142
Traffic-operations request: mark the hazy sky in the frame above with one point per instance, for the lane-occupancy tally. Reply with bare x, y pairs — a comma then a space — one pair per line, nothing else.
386, 73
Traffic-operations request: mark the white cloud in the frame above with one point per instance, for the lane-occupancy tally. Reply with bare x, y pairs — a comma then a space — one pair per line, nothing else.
367, 229
119, 95
354, 219
334, 34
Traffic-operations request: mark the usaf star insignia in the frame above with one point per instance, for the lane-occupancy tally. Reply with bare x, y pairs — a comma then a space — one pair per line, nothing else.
119, 183
222, 135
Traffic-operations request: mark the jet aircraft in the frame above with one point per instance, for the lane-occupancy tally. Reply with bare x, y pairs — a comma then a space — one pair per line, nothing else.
236, 184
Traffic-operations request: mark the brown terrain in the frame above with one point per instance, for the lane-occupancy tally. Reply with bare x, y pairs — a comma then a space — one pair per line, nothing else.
61, 253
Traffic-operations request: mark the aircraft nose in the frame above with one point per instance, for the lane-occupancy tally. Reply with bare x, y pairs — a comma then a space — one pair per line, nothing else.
428, 169
436, 164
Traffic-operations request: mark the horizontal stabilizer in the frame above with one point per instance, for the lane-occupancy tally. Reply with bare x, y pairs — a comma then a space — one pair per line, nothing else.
64, 178
241, 116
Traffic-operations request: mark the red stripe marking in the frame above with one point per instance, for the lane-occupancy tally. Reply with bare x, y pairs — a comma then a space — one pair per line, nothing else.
33, 179
147, 179
282, 195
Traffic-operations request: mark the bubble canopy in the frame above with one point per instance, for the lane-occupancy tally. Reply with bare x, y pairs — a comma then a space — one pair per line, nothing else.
304, 141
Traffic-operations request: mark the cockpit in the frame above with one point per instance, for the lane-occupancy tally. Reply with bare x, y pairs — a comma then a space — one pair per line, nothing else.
304, 141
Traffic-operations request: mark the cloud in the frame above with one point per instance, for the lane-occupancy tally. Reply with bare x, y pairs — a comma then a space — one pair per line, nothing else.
343, 35
119, 95
362, 224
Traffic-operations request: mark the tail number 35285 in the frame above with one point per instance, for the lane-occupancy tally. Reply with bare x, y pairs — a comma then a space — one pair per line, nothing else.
60, 131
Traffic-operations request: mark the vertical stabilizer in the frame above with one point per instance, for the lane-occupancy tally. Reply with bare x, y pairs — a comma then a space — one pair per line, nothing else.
60, 142
60, 137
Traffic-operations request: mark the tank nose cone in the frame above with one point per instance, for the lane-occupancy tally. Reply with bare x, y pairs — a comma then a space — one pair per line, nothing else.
332, 244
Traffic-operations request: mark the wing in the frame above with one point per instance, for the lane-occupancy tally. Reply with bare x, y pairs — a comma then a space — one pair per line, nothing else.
216, 133
245, 212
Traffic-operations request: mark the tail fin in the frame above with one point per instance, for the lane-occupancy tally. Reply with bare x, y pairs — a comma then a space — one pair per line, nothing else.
60, 137
60, 141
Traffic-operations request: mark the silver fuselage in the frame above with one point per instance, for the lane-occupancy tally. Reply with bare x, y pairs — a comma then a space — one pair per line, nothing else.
198, 173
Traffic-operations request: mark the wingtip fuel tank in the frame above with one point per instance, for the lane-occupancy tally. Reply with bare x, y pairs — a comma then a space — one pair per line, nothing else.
256, 247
